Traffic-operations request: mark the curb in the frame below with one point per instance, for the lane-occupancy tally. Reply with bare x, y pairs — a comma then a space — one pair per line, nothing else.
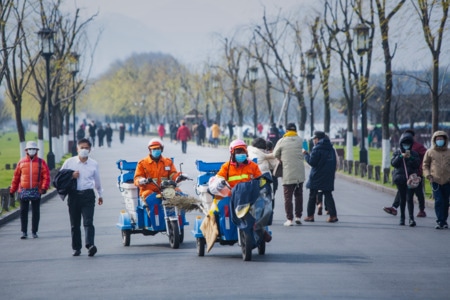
11, 215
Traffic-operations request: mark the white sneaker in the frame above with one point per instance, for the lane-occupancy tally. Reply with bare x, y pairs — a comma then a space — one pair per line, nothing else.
297, 221
288, 223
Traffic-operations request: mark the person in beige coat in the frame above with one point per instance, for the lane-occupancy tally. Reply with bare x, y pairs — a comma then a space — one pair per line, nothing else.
289, 150
436, 168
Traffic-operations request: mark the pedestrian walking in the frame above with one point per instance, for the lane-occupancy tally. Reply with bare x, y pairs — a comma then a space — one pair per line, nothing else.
230, 130
92, 132
108, 134
419, 191
322, 160
215, 133
31, 179
183, 135
201, 134
436, 168
161, 131
289, 151
101, 135
81, 202
273, 134
405, 162
80, 133
122, 133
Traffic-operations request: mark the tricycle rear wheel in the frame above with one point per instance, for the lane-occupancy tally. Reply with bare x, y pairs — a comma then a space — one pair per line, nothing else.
174, 234
126, 237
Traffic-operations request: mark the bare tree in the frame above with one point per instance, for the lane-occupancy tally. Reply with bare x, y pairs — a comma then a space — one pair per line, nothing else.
434, 38
384, 19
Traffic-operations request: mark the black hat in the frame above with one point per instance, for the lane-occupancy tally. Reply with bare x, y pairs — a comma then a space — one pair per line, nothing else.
291, 126
318, 134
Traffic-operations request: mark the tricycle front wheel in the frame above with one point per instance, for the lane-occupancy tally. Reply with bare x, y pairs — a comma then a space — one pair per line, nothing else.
201, 244
174, 234
126, 237
246, 245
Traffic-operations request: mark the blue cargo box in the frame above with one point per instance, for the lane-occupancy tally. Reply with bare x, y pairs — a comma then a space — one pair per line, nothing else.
208, 166
125, 165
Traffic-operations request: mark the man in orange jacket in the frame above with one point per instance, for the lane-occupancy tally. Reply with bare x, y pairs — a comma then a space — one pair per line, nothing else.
153, 169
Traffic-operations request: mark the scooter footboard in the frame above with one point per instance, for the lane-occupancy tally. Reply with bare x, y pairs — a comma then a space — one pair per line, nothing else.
227, 230
154, 214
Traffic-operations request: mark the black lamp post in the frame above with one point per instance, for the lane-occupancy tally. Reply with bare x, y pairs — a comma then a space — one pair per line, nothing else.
311, 64
362, 46
74, 68
253, 76
46, 37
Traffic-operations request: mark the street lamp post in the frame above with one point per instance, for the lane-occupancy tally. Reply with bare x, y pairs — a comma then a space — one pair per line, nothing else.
253, 76
74, 68
362, 45
311, 64
47, 49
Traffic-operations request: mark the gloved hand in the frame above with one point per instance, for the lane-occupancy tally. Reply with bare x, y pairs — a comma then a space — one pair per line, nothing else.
143, 181
182, 177
43, 192
430, 178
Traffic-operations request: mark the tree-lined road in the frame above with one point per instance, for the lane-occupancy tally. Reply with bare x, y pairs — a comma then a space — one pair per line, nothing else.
366, 255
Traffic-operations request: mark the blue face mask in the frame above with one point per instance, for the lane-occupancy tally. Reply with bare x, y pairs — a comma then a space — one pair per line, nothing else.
440, 143
240, 158
406, 146
156, 153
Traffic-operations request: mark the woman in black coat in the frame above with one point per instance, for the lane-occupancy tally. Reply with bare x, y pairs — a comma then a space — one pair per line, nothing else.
406, 162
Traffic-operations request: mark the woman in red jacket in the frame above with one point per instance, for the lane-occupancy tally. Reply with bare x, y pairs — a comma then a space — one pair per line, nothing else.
31, 173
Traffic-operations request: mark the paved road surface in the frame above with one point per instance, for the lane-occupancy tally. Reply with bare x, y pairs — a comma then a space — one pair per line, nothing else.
366, 255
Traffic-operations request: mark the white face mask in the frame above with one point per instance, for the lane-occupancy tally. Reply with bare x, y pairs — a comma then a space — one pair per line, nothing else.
83, 153
32, 152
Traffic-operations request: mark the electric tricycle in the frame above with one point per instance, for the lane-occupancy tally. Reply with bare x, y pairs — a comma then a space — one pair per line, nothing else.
230, 220
152, 216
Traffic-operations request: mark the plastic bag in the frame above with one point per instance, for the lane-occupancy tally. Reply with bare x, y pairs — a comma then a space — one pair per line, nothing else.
219, 186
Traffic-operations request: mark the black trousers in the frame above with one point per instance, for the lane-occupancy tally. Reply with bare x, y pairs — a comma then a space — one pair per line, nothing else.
35, 214
418, 191
82, 204
329, 203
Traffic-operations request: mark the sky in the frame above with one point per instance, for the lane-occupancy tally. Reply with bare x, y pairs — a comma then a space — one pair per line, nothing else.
187, 29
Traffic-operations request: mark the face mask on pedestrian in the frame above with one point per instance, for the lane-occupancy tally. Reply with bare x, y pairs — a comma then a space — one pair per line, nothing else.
240, 158
156, 153
406, 146
440, 143
83, 153
32, 152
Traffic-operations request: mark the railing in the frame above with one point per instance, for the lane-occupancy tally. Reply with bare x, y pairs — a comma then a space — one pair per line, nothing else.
6, 200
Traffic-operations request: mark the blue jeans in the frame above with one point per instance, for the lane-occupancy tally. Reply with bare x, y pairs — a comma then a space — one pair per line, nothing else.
441, 195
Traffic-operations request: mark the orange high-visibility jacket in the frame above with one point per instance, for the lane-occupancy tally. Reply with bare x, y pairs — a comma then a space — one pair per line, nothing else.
235, 174
160, 170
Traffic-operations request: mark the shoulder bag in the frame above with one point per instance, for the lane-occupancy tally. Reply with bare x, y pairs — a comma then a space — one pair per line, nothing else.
413, 180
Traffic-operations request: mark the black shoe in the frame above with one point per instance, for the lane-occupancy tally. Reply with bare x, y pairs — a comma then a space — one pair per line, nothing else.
24, 235
402, 222
92, 250
35, 236
76, 253
412, 223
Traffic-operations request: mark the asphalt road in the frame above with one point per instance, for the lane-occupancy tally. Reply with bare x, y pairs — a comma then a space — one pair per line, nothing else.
366, 255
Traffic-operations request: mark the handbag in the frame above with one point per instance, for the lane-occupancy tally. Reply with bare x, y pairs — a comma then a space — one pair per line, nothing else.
30, 194
278, 170
33, 193
412, 180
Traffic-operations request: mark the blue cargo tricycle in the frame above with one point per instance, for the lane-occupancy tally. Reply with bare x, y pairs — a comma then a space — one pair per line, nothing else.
244, 225
151, 216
